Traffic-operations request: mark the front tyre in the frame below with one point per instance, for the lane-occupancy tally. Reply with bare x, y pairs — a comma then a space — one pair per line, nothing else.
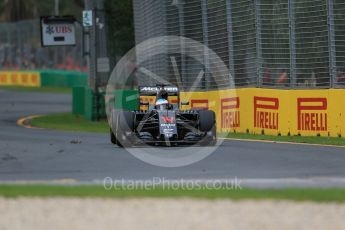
113, 126
210, 138
112, 137
207, 124
125, 128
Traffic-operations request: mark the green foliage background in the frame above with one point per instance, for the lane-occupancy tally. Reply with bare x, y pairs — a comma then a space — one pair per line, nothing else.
120, 24
16, 10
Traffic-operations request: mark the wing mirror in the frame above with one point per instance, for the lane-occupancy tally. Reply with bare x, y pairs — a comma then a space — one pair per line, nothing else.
184, 102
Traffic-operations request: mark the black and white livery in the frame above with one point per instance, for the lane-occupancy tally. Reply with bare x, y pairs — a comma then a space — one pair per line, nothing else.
163, 123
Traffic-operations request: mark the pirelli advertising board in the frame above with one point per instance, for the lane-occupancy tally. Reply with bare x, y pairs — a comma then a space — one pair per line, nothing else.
17, 78
275, 112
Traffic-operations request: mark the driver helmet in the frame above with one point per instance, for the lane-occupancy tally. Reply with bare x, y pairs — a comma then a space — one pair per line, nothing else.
162, 102
162, 94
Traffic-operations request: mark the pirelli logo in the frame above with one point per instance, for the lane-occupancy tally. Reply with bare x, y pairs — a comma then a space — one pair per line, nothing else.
199, 104
312, 114
266, 114
149, 99
230, 114
152, 99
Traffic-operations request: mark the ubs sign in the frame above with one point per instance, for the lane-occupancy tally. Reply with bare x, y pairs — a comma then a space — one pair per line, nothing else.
57, 31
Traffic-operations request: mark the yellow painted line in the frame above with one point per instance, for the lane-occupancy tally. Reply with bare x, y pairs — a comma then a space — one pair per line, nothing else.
21, 121
281, 142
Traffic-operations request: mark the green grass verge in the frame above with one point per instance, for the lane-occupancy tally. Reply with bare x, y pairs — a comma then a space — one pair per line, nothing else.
317, 195
296, 139
70, 122
38, 89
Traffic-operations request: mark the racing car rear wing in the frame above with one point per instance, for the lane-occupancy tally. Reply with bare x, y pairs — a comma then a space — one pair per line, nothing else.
153, 90
148, 95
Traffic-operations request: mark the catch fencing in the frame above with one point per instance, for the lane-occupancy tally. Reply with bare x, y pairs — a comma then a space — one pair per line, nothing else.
264, 43
20, 49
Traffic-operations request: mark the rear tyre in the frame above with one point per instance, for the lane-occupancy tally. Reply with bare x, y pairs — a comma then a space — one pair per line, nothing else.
207, 120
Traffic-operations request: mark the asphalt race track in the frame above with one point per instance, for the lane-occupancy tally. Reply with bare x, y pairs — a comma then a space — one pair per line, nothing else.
48, 155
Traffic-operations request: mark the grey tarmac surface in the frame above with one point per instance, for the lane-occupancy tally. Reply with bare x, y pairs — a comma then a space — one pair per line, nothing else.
46, 155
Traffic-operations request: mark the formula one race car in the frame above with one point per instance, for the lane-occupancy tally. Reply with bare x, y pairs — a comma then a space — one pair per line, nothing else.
162, 122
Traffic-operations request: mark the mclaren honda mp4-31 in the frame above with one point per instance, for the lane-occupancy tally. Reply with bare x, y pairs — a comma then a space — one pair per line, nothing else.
162, 122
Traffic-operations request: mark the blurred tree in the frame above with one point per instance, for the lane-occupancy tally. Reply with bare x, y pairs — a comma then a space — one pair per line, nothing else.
120, 25
16, 10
